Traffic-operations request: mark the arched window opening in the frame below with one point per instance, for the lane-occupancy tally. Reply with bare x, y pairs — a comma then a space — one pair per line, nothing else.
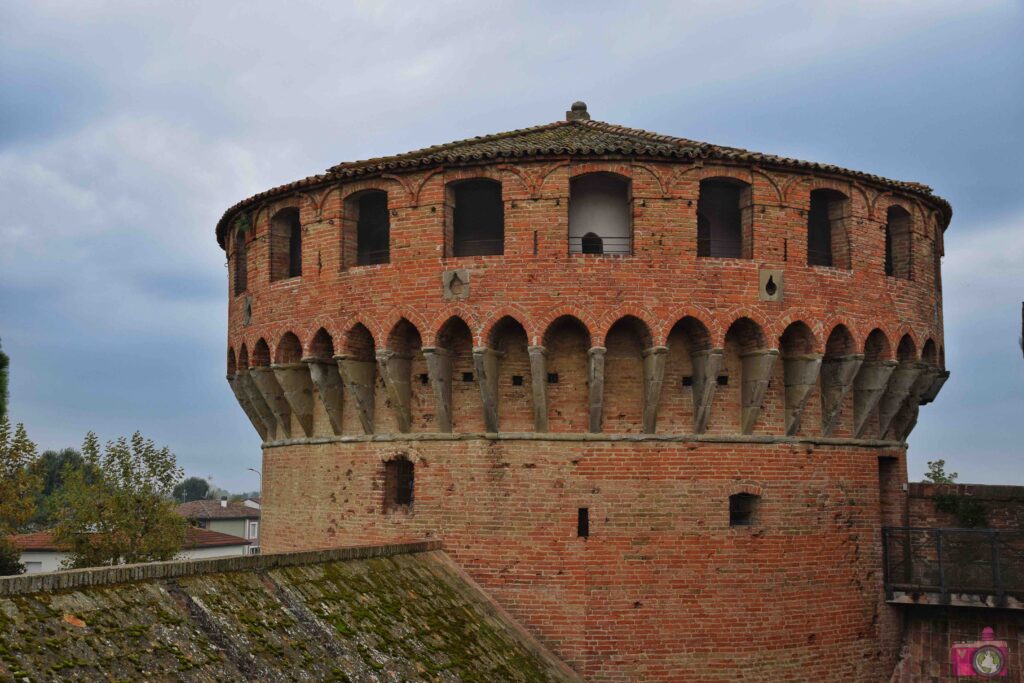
368, 211
898, 243
743, 508
907, 349
826, 229
515, 381
241, 264
599, 215
930, 353
322, 345
399, 485
232, 364
260, 354
877, 347
724, 219
285, 244
478, 224
289, 350
567, 341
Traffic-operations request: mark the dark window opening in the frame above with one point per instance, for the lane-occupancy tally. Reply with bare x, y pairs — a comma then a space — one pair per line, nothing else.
592, 244
517, 380
599, 215
467, 377
583, 522
479, 222
241, 264
720, 215
295, 251
552, 378
826, 232
285, 245
373, 229
424, 378
898, 243
398, 484
723, 380
743, 509
687, 381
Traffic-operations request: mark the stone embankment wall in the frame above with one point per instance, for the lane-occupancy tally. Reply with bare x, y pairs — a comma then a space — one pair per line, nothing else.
357, 614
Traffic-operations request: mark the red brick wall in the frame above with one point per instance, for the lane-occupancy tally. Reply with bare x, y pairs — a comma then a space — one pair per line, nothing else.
1004, 505
663, 589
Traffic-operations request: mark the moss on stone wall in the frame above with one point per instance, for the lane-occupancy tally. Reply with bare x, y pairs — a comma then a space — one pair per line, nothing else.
408, 617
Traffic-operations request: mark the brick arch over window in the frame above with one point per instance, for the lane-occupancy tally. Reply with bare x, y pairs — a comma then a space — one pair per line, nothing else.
689, 346
243, 358
626, 341
840, 342
456, 338
232, 362
567, 341
743, 378
907, 349
508, 338
289, 350
600, 214
285, 244
828, 241
877, 346
930, 353
475, 221
261, 354
413, 391
358, 368
725, 218
898, 242
366, 229
322, 345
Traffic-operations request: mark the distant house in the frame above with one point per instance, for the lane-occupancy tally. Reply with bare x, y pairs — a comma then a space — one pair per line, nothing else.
238, 519
39, 552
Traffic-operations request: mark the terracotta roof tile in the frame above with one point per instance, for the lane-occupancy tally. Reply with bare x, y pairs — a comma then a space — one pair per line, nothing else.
212, 509
575, 138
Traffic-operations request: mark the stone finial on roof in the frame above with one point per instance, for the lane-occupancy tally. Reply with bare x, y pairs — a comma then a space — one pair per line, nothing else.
578, 112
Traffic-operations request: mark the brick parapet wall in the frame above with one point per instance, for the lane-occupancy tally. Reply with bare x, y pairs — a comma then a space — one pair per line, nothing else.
1004, 505
104, 576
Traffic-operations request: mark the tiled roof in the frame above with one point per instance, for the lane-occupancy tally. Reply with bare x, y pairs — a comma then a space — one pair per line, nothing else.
574, 138
212, 509
194, 538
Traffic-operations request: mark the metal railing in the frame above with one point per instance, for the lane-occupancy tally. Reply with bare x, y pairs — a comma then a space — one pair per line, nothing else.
372, 258
720, 247
946, 561
596, 244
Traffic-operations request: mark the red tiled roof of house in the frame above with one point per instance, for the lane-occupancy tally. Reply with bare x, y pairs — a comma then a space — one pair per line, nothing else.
212, 509
194, 538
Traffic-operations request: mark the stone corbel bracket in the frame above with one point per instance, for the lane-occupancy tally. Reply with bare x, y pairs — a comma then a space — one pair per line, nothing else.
439, 370
837, 375
298, 392
358, 377
395, 369
799, 376
485, 363
706, 365
654, 376
539, 387
272, 392
756, 373
247, 407
327, 380
868, 387
595, 384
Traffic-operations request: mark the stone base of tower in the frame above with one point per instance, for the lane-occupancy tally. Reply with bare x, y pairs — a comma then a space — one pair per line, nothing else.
664, 587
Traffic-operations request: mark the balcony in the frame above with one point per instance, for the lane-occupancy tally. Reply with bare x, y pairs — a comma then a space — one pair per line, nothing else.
958, 567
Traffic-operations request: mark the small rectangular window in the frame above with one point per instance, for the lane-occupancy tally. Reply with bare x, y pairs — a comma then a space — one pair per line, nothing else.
424, 378
688, 381
742, 509
517, 380
723, 380
552, 378
467, 377
399, 483
583, 522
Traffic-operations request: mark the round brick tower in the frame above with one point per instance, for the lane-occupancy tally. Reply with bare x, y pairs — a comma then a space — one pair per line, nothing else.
652, 394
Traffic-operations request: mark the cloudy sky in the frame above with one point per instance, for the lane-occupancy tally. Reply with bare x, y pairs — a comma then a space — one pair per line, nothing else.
127, 128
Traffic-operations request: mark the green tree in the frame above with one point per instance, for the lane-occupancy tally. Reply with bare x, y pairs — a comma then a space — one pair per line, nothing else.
126, 514
969, 512
53, 468
10, 559
18, 483
192, 488
937, 474
5, 364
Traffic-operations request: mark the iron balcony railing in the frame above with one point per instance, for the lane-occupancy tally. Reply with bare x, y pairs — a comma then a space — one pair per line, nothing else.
596, 244
366, 257
982, 562
491, 247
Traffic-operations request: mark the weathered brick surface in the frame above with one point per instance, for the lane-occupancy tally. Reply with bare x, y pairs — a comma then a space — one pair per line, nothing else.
663, 589
1004, 505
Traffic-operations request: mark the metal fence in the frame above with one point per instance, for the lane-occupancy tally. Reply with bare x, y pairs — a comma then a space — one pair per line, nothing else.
597, 244
946, 561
